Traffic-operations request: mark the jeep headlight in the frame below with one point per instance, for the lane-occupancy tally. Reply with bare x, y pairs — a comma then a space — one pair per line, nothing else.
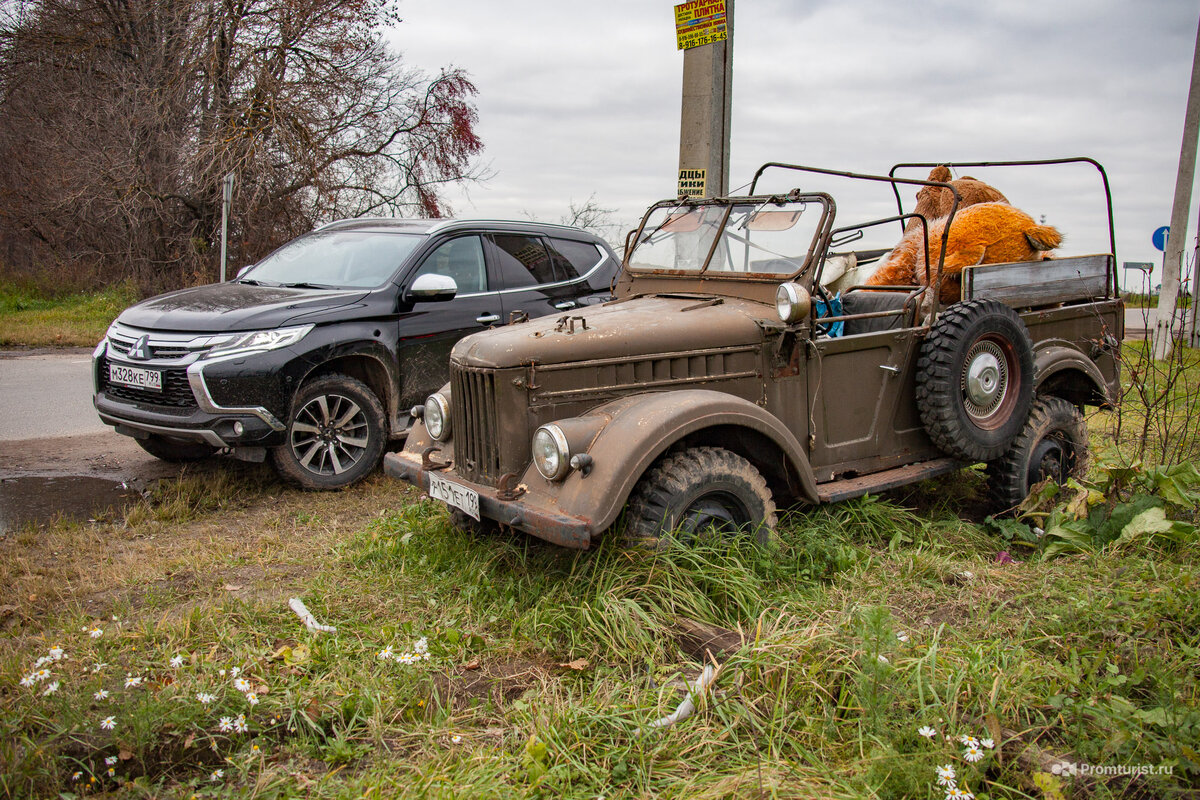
437, 416
792, 302
551, 453
259, 341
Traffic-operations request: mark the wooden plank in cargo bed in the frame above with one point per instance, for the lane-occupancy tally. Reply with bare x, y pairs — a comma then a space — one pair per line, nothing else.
1036, 283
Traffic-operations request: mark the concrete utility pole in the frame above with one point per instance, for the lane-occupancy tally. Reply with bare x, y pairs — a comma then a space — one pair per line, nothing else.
704, 121
1173, 263
226, 201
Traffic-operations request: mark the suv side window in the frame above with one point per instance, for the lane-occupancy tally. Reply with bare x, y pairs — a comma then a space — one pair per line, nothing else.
523, 260
573, 259
460, 259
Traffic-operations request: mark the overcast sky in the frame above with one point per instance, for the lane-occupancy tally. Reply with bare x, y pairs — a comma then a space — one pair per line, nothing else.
580, 100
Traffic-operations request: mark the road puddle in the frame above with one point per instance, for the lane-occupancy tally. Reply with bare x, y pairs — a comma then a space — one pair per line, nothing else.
41, 500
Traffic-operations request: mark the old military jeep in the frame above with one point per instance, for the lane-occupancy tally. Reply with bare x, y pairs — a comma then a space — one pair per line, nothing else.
727, 379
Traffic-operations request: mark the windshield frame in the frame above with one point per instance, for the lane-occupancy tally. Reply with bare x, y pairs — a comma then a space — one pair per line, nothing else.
817, 244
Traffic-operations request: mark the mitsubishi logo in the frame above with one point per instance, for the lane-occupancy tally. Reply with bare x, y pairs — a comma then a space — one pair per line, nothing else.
140, 350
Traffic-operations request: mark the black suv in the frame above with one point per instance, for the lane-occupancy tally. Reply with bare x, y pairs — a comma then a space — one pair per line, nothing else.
315, 354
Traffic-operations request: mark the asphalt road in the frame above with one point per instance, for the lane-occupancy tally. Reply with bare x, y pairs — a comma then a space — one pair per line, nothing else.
46, 395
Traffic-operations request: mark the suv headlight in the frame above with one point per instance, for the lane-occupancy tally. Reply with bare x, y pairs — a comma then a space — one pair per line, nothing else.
792, 302
259, 341
551, 453
437, 417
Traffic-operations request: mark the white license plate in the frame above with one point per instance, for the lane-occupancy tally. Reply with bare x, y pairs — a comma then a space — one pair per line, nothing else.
452, 494
135, 376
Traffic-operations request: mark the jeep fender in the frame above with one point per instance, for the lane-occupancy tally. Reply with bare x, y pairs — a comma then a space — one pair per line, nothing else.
1065, 372
626, 436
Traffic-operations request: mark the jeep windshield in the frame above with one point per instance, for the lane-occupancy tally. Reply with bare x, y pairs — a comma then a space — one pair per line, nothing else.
764, 237
334, 260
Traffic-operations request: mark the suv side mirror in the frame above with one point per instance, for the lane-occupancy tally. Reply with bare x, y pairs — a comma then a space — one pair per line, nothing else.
431, 288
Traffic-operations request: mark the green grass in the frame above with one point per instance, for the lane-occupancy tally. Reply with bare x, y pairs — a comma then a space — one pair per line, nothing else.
29, 318
1089, 657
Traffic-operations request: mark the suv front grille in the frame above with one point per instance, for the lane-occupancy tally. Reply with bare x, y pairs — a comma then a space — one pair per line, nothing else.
176, 391
474, 418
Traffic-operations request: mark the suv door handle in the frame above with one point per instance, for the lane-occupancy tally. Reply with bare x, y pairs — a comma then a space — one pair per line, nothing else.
487, 319
565, 305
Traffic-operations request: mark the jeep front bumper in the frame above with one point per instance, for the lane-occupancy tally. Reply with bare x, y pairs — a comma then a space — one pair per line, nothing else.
532, 513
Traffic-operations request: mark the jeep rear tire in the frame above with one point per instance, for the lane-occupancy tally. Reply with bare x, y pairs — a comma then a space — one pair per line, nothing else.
975, 379
335, 436
1053, 444
175, 450
698, 492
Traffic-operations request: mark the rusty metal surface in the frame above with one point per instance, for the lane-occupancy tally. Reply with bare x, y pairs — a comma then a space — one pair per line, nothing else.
849, 488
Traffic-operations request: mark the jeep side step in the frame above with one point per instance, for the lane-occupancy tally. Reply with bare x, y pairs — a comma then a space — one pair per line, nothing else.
849, 488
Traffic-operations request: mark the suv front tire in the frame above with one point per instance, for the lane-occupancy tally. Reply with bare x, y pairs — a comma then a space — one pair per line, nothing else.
335, 436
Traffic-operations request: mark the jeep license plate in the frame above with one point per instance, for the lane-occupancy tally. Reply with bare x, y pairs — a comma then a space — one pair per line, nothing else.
452, 494
135, 376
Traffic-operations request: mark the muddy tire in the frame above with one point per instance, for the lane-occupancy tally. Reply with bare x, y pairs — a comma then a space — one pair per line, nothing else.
1053, 444
698, 492
175, 450
335, 436
975, 379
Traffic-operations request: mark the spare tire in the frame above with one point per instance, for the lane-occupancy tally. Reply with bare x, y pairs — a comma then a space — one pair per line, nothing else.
975, 379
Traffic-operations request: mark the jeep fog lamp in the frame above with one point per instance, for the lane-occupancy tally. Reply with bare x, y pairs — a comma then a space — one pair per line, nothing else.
551, 453
437, 417
792, 302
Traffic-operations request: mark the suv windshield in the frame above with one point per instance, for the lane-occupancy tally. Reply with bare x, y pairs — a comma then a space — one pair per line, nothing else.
335, 259
764, 238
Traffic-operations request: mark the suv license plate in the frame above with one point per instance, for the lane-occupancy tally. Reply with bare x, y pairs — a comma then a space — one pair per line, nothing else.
452, 494
135, 376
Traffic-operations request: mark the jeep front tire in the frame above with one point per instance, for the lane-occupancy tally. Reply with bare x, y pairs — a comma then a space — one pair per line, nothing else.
699, 492
335, 436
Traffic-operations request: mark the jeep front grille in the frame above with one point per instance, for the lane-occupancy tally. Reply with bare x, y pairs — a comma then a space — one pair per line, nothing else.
475, 421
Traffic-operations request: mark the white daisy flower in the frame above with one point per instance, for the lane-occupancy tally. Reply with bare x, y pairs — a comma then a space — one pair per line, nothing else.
946, 775
102, 694
968, 741
421, 646
96, 633
242, 685
955, 793
902, 636
882, 659
455, 739
177, 662
51, 689
76, 776
235, 671
30, 679
42, 661
386, 653
221, 672
239, 724
205, 698
973, 754
225, 725
42, 674
132, 681
252, 698
217, 774
927, 732
110, 761
112, 773
98, 666
57, 653
988, 743
108, 723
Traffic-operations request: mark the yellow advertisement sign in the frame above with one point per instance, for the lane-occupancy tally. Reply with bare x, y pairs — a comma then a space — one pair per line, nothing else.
700, 22
691, 182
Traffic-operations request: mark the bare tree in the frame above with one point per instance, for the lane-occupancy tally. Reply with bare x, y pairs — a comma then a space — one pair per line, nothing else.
118, 119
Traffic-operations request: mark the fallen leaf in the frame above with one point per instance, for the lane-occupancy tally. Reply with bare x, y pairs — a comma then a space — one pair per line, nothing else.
233, 587
473, 664
577, 665
187, 743
124, 755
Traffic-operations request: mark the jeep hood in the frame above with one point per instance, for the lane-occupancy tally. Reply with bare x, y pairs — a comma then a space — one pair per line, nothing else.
234, 307
634, 327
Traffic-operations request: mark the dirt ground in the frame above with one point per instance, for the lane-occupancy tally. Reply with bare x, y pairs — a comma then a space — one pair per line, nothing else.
102, 455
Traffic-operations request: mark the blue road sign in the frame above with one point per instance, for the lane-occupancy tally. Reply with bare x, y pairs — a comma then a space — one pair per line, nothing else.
1160, 238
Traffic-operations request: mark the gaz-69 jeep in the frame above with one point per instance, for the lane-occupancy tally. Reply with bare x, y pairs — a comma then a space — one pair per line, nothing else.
727, 380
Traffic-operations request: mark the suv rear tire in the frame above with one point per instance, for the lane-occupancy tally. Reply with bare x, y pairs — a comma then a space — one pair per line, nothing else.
696, 491
335, 436
1053, 444
975, 379
175, 450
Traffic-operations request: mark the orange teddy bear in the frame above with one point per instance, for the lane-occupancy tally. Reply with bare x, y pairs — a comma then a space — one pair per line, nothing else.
934, 202
985, 233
